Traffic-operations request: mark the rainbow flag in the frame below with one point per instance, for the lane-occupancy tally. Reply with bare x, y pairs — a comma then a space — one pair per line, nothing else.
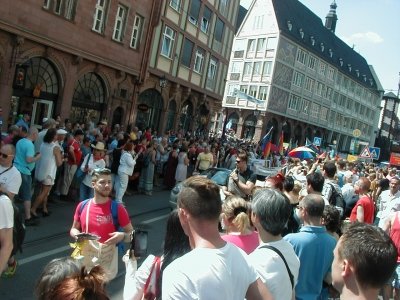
281, 144
266, 144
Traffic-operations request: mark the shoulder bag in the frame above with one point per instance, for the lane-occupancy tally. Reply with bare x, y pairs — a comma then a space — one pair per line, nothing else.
151, 288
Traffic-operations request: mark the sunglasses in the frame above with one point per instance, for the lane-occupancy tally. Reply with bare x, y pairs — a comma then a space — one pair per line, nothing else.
3, 155
238, 161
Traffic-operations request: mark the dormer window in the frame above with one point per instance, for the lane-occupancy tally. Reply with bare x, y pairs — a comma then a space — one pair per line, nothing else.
330, 52
289, 25
341, 62
322, 47
312, 40
301, 33
371, 82
365, 77
358, 73
349, 67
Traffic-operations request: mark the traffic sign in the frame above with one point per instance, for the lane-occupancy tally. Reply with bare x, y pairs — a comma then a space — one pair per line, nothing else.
365, 153
356, 133
317, 141
375, 152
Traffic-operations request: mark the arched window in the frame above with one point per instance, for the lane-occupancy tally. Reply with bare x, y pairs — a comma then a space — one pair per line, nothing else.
150, 117
89, 98
41, 73
186, 115
89, 91
171, 115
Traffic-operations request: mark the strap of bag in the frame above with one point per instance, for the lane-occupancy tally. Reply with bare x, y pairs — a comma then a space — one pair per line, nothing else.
284, 260
87, 162
6, 170
156, 267
87, 216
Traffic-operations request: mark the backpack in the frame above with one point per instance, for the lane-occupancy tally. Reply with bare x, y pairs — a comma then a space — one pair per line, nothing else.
114, 212
18, 229
336, 199
340, 179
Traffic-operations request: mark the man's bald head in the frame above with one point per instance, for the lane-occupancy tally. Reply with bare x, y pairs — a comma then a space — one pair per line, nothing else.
8, 149
314, 205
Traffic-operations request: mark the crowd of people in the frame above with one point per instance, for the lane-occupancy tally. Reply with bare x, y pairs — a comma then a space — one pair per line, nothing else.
318, 229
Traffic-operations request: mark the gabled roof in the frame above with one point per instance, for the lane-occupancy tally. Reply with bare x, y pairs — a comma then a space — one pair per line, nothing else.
295, 15
390, 95
241, 15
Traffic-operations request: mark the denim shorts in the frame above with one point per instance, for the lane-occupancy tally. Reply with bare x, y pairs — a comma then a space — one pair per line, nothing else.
25, 190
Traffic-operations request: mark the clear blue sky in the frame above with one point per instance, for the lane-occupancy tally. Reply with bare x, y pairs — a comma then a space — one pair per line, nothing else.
373, 27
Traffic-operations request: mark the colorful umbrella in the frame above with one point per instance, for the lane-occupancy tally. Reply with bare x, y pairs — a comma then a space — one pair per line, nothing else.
302, 153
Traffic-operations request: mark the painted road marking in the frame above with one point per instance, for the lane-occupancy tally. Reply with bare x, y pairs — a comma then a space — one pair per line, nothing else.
65, 248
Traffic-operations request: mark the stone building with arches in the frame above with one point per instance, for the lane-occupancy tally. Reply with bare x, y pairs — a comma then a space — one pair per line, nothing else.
291, 73
83, 61
188, 63
103, 60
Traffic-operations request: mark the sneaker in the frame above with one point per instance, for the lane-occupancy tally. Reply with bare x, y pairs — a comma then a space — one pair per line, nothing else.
10, 271
31, 222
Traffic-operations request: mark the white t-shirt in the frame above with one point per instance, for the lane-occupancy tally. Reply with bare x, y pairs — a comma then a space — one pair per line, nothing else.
272, 269
6, 213
207, 274
11, 179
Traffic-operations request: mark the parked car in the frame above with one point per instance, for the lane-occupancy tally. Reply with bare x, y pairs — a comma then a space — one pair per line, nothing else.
217, 175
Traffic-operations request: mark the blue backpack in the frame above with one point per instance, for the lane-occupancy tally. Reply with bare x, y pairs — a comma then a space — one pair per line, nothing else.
114, 212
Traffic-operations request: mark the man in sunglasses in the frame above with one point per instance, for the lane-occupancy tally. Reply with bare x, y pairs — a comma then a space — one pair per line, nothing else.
242, 180
10, 182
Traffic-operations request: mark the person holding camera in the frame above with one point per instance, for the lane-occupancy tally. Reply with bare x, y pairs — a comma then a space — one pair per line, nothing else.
242, 180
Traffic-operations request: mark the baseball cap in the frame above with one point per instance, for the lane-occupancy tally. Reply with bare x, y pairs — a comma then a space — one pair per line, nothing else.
62, 132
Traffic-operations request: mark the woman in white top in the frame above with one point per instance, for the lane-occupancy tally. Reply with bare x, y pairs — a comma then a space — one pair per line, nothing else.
96, 161
126, 165
46, 168
176, 244
183, 162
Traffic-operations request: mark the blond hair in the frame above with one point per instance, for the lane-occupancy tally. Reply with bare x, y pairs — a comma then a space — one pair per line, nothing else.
236, 210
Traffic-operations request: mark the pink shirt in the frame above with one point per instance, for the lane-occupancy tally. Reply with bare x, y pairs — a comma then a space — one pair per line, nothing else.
100, 219
248, 243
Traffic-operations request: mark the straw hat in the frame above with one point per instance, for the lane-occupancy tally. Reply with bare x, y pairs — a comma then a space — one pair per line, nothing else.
99, 146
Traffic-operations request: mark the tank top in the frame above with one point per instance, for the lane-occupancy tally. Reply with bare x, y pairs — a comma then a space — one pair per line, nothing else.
395, 234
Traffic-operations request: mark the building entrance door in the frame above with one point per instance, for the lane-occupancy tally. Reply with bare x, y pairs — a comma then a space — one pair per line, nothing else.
41, 109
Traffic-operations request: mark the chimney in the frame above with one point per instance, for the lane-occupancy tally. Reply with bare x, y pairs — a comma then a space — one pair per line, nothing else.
331, 18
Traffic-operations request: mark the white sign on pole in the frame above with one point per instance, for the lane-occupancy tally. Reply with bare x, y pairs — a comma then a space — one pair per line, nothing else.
365, 153
317, 141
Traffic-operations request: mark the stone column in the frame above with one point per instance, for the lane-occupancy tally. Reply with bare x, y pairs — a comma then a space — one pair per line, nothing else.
239, 125
258, 130
6, 81
66, 92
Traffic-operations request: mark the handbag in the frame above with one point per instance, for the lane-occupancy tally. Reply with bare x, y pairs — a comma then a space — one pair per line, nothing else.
151, 288
80, 175
91, 253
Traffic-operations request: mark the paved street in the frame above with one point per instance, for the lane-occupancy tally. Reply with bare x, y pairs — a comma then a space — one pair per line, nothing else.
51, 240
